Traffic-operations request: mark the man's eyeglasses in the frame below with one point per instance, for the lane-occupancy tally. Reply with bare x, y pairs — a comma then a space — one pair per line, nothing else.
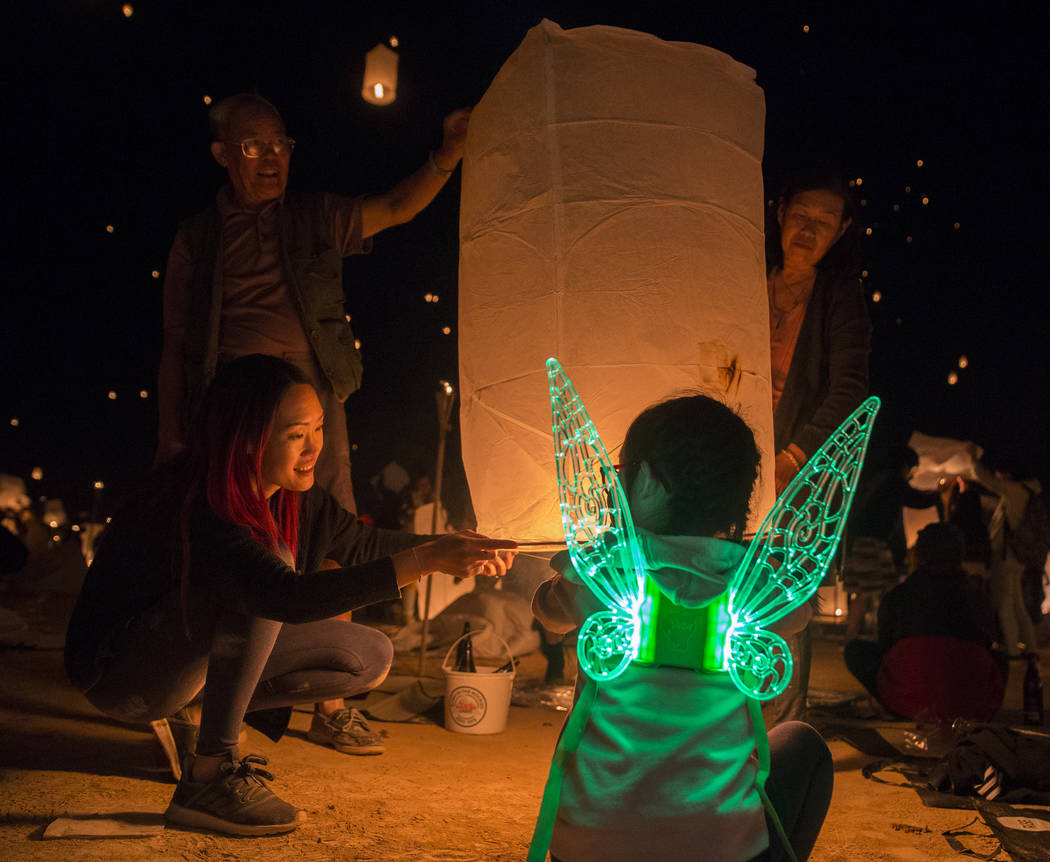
255, 148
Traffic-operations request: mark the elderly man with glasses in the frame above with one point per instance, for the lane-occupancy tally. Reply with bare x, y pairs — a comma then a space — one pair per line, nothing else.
260, 271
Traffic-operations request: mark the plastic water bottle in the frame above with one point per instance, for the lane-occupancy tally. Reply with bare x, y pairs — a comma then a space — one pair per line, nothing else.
1033, 692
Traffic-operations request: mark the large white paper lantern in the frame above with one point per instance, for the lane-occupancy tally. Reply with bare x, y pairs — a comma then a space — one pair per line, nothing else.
379, 85
611, 216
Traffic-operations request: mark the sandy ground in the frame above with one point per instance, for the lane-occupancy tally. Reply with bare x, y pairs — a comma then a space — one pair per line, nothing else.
434, 795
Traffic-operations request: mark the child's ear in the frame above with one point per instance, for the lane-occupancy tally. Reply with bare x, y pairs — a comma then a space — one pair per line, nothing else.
646, 485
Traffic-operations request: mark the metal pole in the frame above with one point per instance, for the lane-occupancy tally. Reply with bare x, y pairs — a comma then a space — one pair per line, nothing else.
445, 397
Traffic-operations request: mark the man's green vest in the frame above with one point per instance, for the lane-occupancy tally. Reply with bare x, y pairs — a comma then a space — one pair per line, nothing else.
313, 271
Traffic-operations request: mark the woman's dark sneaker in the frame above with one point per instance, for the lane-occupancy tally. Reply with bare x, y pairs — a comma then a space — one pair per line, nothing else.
235, 802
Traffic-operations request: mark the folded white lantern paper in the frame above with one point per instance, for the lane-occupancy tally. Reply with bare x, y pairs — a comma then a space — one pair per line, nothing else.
611, 216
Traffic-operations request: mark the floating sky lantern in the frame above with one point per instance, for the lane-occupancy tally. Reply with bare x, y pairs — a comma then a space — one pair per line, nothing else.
380, 81
15, 422
109, 228
206, 99
919, 163
128, 10
37, 474
111, 395
953, 378
99, 485
446, 330
155, 273
143, 393
876, 296
963, 361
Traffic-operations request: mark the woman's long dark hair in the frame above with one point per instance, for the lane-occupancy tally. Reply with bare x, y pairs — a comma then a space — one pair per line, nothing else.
704, 455
842, 259
223, 461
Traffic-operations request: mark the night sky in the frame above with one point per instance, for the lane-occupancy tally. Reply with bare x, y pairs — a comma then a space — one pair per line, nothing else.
108, 127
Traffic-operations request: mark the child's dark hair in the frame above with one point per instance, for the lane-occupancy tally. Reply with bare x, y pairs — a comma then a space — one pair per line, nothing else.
704, 455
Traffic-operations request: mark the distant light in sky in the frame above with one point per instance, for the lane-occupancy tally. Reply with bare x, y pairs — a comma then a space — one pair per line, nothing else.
863, 273
143, 393
394, 42
963, 361
863, 202
907, 190
15, 422
155, 273
769, 203
867, 231
98, 486
860, 181
925, 200
446, 330
38, 473
436, 298
953, 378
805, 28
428, 297
112, 396
957, 225
907, 239
357, 343
109, 228
899, 321
876, 296
919, 163
206, 99
75, 528
353, 447
127, 10
896, 208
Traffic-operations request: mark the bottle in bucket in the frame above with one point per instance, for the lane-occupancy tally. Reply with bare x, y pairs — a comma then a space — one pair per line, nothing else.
465, 652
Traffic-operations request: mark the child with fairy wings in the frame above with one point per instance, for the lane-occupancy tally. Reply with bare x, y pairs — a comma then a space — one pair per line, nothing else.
667, 761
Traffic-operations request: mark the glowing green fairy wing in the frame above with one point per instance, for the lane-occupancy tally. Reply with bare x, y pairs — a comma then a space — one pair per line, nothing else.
787, 560
598, 531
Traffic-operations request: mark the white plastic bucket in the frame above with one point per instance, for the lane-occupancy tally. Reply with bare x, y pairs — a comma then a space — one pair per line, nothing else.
477, 702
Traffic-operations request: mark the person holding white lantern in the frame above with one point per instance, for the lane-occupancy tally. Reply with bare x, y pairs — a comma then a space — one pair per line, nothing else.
260, 271
820, 339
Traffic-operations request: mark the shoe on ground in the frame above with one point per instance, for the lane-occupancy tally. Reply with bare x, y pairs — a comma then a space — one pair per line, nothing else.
235, 802
347, 731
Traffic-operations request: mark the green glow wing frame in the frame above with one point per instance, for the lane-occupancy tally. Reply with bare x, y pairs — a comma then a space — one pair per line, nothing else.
789, 555
780, 571
599, 533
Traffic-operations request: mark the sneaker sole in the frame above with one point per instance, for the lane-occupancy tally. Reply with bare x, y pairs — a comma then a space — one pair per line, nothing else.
180, 816
364, 750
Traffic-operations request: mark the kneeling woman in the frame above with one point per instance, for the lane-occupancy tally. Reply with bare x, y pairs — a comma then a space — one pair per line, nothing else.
194, 579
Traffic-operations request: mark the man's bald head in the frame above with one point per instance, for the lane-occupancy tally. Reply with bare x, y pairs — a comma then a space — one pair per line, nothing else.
225, 114
247, 123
